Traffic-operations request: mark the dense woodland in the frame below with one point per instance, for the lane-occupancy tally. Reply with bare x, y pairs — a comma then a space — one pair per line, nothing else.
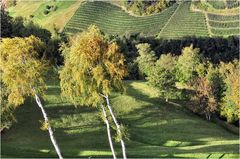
199, 70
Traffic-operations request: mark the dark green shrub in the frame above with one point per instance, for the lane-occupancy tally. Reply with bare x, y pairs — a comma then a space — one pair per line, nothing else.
46, 12
48, 7
54, 8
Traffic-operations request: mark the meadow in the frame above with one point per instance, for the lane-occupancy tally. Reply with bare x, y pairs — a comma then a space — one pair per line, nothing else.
155, 128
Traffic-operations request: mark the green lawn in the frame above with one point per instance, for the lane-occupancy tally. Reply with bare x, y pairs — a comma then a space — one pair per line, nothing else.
156, 129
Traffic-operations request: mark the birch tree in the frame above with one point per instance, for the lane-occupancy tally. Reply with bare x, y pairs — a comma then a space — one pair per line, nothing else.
93, 67
22, 74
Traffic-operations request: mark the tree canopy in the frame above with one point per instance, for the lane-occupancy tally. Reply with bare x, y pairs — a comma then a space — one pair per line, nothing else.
92, 66
20, 67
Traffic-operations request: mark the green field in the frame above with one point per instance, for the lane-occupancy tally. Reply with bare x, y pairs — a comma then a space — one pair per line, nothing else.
156, 129
111, 19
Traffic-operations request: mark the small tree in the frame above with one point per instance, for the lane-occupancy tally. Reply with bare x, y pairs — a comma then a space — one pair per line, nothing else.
146, 59
162, 75
92, 68
230, 105
187, 64
209, 90
22, 73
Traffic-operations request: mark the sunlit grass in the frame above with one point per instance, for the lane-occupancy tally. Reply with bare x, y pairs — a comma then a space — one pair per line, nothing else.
156, 129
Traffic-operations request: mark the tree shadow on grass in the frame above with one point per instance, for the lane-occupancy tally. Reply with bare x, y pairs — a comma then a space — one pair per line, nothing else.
156, 130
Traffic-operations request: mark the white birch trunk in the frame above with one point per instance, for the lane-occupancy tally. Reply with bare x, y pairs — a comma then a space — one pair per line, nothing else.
49, 127
108, 132
118, 127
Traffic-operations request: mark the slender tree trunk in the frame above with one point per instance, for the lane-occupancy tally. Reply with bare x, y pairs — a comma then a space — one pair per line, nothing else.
108, 132
49, 127
118, 127
166, 99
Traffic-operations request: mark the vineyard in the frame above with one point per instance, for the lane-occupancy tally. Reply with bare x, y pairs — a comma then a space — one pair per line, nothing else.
185, 23
223, 25
111, 19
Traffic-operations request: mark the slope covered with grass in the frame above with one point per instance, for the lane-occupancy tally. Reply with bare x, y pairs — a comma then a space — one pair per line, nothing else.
112, 19
59, 17
156, 129
185, 23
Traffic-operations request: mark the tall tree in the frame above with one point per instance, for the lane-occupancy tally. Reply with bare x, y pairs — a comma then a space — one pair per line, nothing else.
23, 73
209, 89
163, 75
92, 68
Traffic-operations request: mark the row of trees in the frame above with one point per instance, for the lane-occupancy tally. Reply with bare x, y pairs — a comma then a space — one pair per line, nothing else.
215, 49
140, 7
215, 86
93, 67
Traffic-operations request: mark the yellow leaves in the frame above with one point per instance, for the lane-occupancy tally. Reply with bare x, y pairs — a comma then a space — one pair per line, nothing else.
235, 86
21, 69
44, 125
98, 74
92, 65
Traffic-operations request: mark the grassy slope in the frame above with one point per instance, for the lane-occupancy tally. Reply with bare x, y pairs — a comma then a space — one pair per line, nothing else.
65, 10
112, 19
156, 129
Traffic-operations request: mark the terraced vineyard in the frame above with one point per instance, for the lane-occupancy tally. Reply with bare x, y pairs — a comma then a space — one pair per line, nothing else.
112, 19
223, 25
185, 23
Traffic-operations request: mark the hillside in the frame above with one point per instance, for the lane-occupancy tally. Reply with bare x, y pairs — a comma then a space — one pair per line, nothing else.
177, 21
112, 19
156, 129
64, 9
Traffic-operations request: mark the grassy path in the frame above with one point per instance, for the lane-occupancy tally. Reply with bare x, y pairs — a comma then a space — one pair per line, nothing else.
156, 129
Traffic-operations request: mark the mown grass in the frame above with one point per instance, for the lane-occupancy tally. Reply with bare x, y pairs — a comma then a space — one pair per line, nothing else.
157, 129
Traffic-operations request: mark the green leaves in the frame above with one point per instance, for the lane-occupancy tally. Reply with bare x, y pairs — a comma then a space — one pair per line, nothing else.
187, 64
147, 58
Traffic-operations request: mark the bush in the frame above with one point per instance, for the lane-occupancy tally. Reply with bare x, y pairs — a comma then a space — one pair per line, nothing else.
31, 16
48, 7
46, 12
54, 8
